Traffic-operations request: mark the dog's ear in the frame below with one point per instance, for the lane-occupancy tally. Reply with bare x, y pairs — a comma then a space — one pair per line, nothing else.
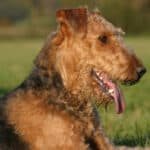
72, 20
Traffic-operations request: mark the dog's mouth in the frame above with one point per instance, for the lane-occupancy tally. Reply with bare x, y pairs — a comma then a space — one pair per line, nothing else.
110, 88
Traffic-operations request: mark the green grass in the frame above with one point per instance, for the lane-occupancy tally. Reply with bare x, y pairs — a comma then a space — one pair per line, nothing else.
16, 58
130, 128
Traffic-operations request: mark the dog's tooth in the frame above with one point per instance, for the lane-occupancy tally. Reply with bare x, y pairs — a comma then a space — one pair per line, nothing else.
111, 91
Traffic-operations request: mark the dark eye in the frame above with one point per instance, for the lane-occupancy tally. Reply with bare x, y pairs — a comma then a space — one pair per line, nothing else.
103, 39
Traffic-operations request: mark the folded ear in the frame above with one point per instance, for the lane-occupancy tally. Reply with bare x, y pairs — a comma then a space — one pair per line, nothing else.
72, 20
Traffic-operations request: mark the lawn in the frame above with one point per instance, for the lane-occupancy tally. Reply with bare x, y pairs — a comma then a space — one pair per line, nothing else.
130, 128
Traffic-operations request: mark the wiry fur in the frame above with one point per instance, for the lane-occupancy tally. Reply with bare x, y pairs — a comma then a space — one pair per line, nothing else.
53, 109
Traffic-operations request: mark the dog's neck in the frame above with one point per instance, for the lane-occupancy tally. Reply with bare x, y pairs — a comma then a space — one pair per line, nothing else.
51, 84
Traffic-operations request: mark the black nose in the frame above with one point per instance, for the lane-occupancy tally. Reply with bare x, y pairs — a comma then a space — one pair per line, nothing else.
141, 72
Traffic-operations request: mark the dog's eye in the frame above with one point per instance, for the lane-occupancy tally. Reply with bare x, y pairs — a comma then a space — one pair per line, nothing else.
103, 39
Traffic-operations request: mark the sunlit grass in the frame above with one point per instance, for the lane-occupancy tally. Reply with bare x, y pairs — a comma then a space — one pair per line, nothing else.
16, 60
130, 128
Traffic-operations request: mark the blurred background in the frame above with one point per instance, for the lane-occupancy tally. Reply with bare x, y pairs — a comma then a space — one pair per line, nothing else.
24, 26
34, 18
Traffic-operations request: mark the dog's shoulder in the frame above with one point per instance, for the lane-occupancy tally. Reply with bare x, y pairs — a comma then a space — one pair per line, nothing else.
9, 140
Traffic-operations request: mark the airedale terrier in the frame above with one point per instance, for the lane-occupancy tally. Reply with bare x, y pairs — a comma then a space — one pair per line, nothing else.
77, 69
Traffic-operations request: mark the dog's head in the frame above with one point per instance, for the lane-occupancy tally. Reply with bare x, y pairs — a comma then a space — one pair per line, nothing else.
90, 56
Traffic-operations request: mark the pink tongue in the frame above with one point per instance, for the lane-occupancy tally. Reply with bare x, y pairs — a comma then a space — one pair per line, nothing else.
118, 97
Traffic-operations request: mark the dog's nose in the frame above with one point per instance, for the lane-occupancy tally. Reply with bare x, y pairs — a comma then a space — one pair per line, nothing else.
141, 72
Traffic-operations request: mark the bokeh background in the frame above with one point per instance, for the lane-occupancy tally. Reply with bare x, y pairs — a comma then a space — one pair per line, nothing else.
32, 18
24, 26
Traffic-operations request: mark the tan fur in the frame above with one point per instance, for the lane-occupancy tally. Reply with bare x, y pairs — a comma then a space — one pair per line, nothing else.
41, 129
54, 108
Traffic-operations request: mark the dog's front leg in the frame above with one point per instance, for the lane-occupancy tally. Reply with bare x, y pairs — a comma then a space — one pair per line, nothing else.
101, 141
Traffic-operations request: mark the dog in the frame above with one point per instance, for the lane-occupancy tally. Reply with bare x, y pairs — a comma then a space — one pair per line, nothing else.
77, 69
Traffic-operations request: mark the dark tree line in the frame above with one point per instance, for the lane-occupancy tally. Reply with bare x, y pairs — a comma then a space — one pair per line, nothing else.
133, 15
